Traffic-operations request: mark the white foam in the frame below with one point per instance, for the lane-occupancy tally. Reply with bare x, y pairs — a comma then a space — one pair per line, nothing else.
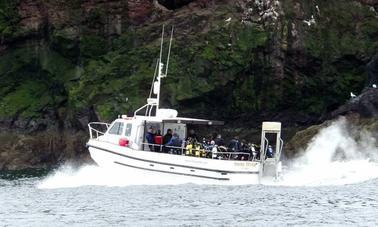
67, 177
335, 157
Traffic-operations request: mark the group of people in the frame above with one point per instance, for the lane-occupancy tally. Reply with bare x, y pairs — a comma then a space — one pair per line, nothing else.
159, 143
212, 147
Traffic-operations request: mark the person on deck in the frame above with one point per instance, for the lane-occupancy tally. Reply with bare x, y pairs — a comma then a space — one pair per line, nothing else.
192, 134
166, 138
150, 136
235, 144
158, 140
219, 140
245, 149
269, 152
174, 142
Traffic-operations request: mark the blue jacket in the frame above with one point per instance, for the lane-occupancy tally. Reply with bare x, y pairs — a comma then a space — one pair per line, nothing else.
150, 137
175, 142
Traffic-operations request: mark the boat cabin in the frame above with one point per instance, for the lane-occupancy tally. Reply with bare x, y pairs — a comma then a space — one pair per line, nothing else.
132, 131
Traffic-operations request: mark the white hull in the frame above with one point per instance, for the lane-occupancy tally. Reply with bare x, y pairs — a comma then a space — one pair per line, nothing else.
201, 170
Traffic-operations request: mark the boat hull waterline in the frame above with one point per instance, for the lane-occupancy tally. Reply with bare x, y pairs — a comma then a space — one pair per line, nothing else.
201, 170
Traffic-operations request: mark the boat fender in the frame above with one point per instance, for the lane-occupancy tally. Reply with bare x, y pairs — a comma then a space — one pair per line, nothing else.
123, 142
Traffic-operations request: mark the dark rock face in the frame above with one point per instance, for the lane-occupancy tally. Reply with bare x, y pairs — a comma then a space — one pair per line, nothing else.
369, 2
366, 105
139, 11
42, 150
372, 68
174, 4
361, 113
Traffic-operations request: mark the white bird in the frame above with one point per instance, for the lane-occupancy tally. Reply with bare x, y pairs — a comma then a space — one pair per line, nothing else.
228, 19
310, 22
374, 86
317, 8
352, 95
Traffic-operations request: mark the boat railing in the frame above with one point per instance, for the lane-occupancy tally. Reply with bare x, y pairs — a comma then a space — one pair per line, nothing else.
97, 129
278, 156
204, 153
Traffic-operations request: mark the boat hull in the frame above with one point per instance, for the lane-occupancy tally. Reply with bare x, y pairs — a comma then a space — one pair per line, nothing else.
193, 169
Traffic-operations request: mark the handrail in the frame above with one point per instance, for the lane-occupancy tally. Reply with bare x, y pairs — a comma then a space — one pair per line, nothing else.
266, 147
280, 150
98, 132
182, 149
136, 111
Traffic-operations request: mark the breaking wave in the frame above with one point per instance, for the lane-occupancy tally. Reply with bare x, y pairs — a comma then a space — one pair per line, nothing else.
339, 154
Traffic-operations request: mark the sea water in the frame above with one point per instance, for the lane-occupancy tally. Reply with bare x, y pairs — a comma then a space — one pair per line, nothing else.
319, 188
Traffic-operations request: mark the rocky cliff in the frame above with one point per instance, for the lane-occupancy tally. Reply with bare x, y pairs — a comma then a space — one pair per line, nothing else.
64, 63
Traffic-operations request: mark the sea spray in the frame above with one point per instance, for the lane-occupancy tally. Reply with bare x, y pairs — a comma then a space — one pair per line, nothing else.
338, 154
68, 176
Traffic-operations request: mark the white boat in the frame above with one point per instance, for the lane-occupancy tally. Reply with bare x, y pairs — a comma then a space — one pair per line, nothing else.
123, 144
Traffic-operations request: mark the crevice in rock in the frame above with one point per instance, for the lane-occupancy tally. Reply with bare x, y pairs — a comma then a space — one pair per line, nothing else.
174, 4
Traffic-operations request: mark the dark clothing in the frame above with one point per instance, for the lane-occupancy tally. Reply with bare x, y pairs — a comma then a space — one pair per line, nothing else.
150, 139
193, 136
219, 142
235, 145
245, 149
167, 138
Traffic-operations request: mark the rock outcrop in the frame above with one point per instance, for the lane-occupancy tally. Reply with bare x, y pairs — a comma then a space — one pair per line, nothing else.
360, 112
365, 105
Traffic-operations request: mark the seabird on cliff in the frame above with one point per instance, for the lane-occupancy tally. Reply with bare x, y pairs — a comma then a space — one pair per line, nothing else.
352, 95
228, 19
374, 86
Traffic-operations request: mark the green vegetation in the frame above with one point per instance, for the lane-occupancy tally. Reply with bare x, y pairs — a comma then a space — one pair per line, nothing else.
8, 19
225, 69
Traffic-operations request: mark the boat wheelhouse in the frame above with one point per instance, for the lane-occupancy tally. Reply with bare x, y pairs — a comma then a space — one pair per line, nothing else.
124, 143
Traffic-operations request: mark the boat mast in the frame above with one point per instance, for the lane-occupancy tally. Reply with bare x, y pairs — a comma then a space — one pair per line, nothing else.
161, 65
161, 74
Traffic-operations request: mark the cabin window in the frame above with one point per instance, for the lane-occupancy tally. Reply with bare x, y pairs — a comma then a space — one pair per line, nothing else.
128, 129
116, 129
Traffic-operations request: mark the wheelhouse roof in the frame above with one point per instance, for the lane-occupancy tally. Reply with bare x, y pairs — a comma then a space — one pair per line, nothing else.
182, 120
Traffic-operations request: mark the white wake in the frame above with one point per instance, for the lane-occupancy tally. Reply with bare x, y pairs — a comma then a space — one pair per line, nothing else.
68, 177
337, 155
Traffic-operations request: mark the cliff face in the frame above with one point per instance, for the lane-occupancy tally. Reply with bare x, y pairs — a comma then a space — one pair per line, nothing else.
64, 63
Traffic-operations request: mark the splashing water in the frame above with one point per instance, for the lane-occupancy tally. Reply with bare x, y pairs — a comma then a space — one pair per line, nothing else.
67, 177
333, 157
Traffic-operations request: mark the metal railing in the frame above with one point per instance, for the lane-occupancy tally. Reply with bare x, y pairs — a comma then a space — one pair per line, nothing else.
95, 133
203, 153
278, 156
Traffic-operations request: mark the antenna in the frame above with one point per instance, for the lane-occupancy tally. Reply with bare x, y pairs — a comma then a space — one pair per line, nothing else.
153, 80
161, 44
169, 53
